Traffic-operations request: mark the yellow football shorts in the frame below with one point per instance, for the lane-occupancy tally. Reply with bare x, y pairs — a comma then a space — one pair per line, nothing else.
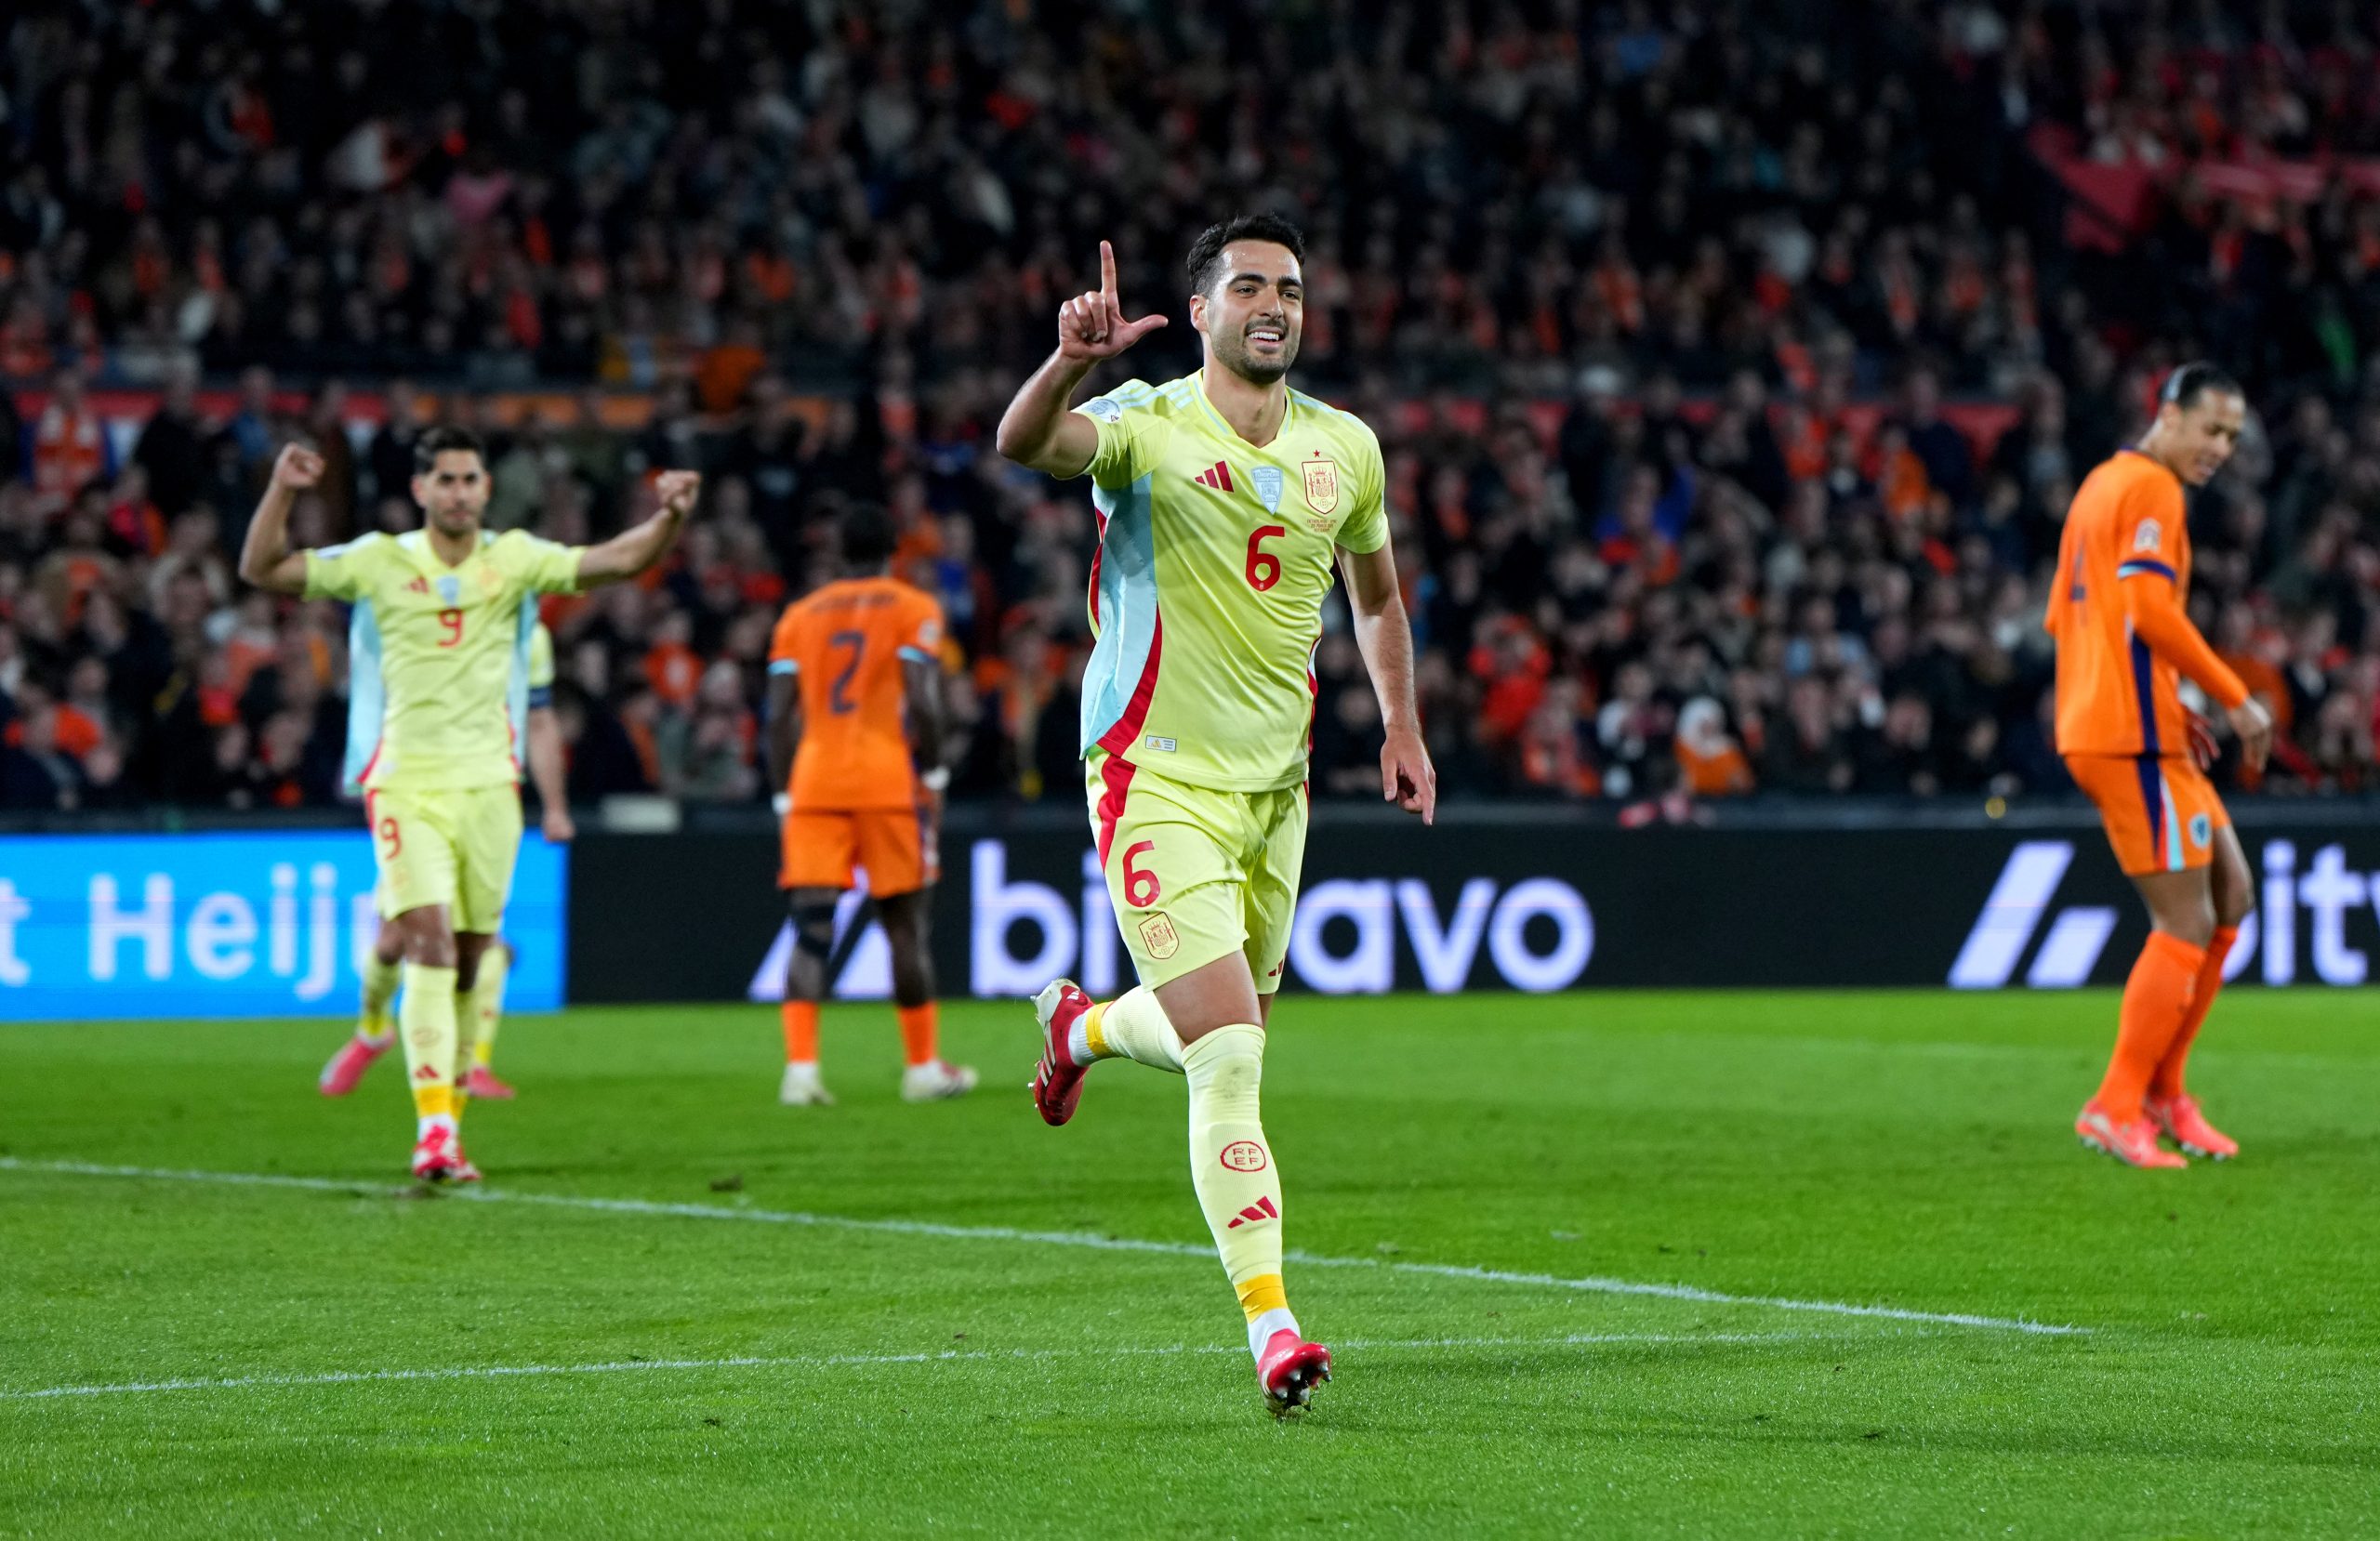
452, 848
1196, 874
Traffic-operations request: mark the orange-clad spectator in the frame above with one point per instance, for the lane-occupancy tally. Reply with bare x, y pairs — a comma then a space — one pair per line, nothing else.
78, 569
1708, 757
24, 342
1902, 483
134, 522
670, 665
1550, 758
69, 444
772, 276
1802, 436
1512, 665
728, 369
2251, 652
253, 643
219, 704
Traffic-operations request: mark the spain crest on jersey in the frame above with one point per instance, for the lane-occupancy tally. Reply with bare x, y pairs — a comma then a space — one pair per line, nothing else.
1321, 485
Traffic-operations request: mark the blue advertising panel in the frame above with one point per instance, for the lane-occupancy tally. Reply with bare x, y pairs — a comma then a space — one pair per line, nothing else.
266, 924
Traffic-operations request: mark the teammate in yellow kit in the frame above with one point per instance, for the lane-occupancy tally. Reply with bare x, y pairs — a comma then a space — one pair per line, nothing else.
533, 714
1225, 499
441, 793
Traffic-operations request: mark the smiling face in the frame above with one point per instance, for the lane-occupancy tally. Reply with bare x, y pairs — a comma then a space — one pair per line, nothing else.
1254, 313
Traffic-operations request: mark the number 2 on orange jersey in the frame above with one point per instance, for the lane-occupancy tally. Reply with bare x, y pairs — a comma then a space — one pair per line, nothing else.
838, 702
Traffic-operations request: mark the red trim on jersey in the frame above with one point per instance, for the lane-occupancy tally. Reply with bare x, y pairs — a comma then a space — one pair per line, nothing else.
1314, 689
1126, 732
1096, 552
1116, 775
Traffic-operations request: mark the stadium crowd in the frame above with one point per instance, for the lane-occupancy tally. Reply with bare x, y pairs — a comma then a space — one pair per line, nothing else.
1752, 549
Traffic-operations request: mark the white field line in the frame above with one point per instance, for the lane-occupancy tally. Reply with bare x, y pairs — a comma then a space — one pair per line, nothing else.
945, 1356
1591, 1285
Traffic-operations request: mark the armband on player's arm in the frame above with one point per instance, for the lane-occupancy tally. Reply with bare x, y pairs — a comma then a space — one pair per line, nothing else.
2157, 620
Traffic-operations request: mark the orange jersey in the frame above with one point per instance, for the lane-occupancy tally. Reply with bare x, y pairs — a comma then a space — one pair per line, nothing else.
844, 644
2122, 584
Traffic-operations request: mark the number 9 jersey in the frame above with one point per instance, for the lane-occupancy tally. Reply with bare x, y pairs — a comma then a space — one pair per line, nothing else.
448, 644
1207, 589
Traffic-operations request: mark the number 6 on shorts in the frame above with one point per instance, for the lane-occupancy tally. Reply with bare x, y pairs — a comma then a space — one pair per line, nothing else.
1141, 887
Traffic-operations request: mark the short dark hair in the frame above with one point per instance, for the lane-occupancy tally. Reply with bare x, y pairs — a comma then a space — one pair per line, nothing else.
2194, 379
439, 440
1207, 252
866, 534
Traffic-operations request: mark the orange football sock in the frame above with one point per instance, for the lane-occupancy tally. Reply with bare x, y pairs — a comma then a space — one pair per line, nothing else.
801, 1032
2167, 1081
2156, 1000
919, 1029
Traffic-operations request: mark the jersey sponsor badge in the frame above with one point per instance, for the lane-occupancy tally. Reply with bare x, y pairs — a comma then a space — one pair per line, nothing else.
2201, 829
1105, 410
2148, 536
1321, 485
1159, 937
449, 590
1162, 746
1268, 481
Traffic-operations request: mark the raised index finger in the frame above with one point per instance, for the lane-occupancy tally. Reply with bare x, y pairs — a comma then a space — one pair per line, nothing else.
1107, 271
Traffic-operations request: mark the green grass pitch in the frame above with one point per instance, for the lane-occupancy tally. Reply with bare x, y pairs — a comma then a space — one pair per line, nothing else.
333, 1353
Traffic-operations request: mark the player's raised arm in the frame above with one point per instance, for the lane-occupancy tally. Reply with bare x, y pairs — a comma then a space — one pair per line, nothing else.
1040, 429
634, 549
1386, 638
266, 559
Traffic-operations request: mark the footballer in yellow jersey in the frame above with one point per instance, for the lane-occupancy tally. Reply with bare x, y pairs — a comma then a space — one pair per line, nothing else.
532, 695
1225, 500
449, 602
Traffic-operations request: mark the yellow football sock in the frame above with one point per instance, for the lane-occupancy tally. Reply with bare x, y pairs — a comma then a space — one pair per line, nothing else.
1134, 1026
487, 1003
380, 989
426, 1017
1231, 1167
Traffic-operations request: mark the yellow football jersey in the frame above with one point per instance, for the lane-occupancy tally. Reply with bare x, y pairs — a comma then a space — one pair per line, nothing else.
1207, 589
440, 656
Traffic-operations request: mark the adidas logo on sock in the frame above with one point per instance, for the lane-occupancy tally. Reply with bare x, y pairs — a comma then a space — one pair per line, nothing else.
1260, 1210
1217, 476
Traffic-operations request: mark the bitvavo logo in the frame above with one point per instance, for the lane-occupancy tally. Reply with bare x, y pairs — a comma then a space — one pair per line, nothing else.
2078, 934
1538, 935
1078, 935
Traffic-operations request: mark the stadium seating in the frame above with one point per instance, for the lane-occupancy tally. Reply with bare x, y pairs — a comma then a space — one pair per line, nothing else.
1732, 387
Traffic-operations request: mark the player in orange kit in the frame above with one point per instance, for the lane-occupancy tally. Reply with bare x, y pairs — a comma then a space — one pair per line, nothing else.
2117, 611
855, 747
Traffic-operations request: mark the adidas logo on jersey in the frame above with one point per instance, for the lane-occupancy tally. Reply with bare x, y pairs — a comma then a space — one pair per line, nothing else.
419, 586
1217, 476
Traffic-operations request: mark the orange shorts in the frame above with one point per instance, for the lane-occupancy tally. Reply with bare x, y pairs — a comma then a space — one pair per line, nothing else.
894, 845
2161, 811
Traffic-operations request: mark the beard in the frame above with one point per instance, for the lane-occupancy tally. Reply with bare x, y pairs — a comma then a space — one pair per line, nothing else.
1233, 353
